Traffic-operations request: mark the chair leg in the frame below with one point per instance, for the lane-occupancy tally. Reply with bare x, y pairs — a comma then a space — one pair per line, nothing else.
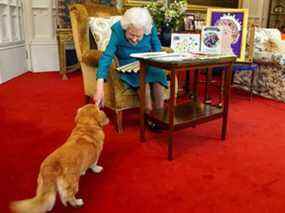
119, 121
251, 83
87, 99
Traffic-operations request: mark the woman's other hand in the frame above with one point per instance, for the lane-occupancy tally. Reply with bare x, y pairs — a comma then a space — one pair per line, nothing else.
98, 97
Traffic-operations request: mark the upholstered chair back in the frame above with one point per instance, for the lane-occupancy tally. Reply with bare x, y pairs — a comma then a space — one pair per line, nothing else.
80, 23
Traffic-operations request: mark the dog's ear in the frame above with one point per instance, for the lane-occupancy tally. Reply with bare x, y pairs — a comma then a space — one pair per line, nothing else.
77, 115
102, 119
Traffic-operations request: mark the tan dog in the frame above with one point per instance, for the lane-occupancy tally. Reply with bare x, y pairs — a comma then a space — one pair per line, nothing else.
61, 170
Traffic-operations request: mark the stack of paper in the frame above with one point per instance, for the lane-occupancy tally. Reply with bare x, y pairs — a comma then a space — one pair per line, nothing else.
131, 67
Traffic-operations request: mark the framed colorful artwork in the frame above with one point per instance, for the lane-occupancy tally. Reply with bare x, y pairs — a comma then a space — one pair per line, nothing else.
185, 42
234, 24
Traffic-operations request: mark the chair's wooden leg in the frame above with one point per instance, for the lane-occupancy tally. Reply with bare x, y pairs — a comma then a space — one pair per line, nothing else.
87, 99
119, 121
251, 83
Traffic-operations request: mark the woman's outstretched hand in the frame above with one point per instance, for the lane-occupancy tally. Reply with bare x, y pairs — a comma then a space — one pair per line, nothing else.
98, 97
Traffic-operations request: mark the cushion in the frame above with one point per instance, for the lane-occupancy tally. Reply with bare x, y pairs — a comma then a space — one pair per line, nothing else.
281, 46
264, 37
100, 28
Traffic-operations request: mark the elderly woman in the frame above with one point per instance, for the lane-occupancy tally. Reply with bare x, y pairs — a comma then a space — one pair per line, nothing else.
134, 33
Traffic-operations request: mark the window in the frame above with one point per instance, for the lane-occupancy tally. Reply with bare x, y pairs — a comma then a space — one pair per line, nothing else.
11, 21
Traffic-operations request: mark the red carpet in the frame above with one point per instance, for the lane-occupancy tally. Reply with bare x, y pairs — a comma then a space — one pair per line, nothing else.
244, 174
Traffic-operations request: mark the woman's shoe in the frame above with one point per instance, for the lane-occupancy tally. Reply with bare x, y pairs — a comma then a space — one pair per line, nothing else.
154, 127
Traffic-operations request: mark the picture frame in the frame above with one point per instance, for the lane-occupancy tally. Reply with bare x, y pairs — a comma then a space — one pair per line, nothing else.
185, 42
189, 22
234, 22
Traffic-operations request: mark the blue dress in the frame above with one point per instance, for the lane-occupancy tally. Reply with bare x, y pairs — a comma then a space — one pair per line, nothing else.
120, 47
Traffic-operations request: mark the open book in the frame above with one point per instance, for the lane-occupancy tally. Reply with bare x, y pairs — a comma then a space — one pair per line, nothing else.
162, 56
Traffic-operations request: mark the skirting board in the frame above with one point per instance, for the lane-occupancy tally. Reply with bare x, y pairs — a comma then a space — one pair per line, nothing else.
12, 62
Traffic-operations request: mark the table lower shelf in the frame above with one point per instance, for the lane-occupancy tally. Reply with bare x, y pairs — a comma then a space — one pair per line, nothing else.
187, 114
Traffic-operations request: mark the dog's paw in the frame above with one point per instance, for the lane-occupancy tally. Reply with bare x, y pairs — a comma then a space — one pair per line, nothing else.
96, 168
79, 202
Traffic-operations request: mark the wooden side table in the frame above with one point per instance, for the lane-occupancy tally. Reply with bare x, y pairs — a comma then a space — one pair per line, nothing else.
193, 112
64, 37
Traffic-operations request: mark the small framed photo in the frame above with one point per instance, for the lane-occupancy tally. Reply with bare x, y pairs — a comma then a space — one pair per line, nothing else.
189, 22
185, 42
211, 41
234, 24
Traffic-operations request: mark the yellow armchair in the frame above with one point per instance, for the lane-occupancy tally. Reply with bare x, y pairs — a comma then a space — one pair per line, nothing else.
117, 97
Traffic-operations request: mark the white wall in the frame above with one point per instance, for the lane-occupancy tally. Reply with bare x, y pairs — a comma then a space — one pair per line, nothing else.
258, 10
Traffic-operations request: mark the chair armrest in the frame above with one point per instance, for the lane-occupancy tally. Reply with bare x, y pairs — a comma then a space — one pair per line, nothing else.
91, 57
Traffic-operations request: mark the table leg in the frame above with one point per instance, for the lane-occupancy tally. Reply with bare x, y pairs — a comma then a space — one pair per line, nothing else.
195, 84
207, 98
171, 113
226, 94
142, 101
223, 78
187, 83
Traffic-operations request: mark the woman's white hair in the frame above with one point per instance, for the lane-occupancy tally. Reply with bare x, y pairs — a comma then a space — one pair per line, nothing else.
139, 18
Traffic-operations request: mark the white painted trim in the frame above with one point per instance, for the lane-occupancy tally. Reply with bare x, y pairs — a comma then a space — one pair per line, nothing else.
9, 45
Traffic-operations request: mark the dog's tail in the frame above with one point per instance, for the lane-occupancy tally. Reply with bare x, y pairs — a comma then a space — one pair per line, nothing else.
42, 202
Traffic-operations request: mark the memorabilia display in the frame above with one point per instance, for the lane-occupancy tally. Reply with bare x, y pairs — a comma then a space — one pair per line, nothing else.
185, 42
234, 24
211, 41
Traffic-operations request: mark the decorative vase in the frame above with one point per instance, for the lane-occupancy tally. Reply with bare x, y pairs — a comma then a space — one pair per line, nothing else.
165, 35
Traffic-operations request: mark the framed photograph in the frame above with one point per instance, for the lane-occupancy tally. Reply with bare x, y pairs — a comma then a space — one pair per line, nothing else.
234, 24
211, 41
185, 42
189, 22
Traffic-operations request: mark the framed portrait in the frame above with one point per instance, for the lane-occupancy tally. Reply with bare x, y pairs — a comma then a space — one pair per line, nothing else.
185, 42
233, 22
